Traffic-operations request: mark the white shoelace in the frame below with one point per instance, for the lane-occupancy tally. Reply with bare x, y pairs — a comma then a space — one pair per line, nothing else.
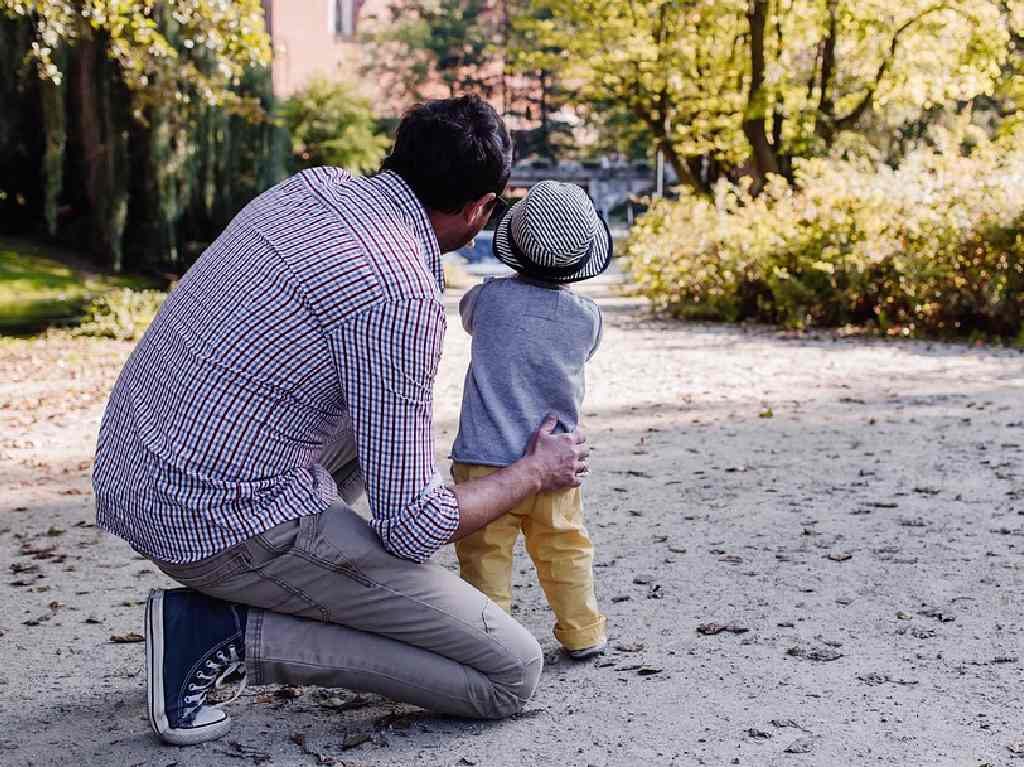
215, 681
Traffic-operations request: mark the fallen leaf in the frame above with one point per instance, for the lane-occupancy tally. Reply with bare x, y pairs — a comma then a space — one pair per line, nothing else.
128, 638
354, 740
785, 723
814, 654
710, 629
800, 746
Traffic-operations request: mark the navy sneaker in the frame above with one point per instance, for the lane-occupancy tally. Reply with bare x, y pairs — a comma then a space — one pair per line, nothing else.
193, 643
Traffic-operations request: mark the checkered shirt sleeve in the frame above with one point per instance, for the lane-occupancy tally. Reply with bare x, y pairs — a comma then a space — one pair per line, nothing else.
387, 358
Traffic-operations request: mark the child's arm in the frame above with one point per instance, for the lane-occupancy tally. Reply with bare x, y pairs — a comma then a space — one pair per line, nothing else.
466, 307
599, 334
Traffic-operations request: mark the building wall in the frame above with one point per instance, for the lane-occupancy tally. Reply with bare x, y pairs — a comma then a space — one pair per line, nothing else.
309, 41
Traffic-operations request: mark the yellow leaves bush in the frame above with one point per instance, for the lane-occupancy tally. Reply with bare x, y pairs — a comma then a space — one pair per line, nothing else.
934, 247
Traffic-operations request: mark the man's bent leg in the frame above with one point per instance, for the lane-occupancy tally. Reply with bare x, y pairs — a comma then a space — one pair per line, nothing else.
341, 612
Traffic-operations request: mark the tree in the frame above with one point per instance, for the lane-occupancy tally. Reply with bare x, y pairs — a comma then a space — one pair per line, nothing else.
330, 125
747, 83
441, 47
423, 49
144, 106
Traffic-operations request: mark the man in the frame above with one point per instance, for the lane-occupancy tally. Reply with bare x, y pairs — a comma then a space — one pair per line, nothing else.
295, 359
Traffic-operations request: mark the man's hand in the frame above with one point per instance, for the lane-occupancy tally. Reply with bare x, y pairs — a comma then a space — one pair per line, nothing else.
552, 462
559, 459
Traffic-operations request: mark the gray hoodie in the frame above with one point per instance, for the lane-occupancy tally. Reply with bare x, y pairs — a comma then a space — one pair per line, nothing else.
530, 342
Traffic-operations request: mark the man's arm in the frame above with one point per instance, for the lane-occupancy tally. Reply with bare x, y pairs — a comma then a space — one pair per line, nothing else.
386, 358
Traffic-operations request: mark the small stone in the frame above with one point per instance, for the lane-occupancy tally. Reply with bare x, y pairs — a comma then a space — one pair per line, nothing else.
630, 647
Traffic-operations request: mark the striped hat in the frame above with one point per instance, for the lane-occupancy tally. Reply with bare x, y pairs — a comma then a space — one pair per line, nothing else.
554, 234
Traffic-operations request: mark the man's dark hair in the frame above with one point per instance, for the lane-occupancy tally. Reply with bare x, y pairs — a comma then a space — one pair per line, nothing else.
451, 152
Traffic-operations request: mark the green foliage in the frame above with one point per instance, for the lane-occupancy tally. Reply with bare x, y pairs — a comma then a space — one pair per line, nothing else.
934, 247
122, 314
689, 75
331, 125
418, 45
39, 289
154, 144
220, 42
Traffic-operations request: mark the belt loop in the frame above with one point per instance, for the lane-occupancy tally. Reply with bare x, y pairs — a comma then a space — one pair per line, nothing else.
309, 528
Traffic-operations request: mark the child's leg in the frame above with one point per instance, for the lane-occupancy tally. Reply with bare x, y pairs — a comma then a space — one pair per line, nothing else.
564, 557
485, 557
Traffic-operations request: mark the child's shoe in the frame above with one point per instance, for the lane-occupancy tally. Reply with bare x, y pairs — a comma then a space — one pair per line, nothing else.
588, 652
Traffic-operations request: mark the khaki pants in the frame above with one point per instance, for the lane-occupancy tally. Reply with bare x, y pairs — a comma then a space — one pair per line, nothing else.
560, 548
332, 608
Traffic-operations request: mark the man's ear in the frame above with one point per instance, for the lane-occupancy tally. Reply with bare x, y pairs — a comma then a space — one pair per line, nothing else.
478, 211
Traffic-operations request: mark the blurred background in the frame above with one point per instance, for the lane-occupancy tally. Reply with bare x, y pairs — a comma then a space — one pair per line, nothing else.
806, 162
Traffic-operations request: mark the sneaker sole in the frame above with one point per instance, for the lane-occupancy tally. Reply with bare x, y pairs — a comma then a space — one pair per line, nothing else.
155, 684
588, 652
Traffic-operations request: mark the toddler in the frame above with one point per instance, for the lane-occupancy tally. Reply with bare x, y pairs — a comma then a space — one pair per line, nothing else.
531, 338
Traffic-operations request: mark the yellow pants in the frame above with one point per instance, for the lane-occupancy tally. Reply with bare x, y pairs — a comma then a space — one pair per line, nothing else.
560, 549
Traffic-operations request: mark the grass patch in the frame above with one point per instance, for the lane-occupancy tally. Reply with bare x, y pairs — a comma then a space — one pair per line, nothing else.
43, 286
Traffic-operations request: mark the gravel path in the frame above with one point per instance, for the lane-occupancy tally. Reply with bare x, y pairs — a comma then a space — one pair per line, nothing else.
850, 511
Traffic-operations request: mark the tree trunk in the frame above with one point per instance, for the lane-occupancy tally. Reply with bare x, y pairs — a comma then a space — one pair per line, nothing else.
104, 108
53, 99
679, 165
825, 118
765, 161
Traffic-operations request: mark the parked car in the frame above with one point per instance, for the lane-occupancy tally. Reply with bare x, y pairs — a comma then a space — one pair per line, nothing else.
479, 250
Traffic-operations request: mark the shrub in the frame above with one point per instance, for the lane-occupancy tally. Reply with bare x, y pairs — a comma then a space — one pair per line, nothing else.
122, 314
332, 125
934, 247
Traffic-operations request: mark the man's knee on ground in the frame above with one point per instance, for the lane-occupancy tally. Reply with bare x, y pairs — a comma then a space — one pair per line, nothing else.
513, 689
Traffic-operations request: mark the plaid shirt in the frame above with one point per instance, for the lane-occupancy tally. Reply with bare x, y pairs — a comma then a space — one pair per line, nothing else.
312, 327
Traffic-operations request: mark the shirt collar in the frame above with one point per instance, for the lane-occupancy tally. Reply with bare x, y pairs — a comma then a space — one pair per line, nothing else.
413, 213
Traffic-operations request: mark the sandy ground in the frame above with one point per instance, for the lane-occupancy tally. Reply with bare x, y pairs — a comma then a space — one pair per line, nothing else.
853, 507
